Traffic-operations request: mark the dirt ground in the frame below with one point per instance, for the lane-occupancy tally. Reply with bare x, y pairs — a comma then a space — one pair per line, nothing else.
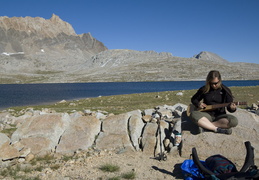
85, 165
143, 166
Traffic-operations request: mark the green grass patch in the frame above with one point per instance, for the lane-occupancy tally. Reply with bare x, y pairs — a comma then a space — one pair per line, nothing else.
67, 158
109, 168
47, 158
114, 178
124, 103
39, 168
129, 175
55, 166
8, 131
13, 171
28, 170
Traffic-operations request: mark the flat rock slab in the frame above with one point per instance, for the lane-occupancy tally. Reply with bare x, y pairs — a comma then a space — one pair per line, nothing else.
44, 130
115, 134
38, 145
149, 139
4, 138
80, 134
8, 152
135, 129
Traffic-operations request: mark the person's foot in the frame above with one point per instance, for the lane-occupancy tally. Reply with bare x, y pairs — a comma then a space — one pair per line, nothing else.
224, 131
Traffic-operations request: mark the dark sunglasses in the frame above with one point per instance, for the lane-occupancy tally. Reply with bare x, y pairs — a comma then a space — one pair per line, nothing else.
214, 83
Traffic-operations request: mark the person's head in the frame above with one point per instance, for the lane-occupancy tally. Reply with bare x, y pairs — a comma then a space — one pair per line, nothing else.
213, 80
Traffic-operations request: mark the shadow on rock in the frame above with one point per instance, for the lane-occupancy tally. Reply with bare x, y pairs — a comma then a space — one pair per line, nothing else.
188, 125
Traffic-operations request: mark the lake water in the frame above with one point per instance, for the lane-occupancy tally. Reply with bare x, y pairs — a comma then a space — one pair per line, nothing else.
33, 94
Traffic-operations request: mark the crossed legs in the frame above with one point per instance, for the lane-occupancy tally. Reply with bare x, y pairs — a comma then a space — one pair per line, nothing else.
204, 120
207, 124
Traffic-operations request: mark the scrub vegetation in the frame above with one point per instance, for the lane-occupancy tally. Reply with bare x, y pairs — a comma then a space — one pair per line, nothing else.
124, 103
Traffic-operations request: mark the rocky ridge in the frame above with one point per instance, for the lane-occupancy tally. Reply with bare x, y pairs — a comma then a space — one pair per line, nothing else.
38, 50
130, 65
35, 46
43, 28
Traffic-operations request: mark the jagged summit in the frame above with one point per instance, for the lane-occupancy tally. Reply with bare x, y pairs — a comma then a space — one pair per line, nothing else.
205, 55
38, 25
46, 44
55, 18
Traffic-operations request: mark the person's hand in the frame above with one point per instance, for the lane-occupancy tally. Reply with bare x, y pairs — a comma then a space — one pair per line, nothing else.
233, 106
202, 105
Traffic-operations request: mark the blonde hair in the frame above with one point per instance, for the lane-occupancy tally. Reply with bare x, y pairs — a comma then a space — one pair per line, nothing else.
211, 75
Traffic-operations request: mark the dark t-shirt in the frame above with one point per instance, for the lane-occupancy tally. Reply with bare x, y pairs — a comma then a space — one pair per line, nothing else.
214, 96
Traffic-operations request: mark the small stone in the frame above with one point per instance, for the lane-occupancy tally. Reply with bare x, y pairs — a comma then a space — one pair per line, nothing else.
63, 101
254, 106
29, 157
179, 94
24, 152
166, 142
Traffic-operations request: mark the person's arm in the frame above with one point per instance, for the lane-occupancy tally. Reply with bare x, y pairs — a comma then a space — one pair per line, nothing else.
197, 97
232, 107
229, 99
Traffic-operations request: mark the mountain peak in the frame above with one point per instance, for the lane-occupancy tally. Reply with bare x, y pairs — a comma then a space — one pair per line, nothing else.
209, 56
39, 38
55, 18
38, 25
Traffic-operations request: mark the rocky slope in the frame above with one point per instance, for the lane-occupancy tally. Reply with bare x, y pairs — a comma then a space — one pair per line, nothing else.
30, 47
130, 65
37, 50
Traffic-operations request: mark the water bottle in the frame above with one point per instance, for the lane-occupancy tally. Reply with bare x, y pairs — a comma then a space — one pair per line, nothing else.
178, 139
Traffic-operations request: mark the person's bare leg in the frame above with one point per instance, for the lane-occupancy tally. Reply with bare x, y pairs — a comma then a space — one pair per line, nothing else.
206, 124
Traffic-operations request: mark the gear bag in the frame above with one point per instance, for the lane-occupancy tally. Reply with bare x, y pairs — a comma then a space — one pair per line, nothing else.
219, 164
219, 167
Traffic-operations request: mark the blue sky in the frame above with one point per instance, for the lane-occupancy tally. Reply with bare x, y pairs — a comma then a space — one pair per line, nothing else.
229, 28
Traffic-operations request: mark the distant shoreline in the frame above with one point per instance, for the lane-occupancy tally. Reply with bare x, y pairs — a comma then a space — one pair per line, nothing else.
241, 93
178, 80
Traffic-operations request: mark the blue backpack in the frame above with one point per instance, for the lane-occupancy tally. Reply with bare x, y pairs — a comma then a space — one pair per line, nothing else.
190, 170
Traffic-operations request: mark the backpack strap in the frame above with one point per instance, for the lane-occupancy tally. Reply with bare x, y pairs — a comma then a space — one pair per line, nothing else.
249, 160
200, 166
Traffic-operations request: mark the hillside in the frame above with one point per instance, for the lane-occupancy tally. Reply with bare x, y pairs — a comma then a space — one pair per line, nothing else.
38, 50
